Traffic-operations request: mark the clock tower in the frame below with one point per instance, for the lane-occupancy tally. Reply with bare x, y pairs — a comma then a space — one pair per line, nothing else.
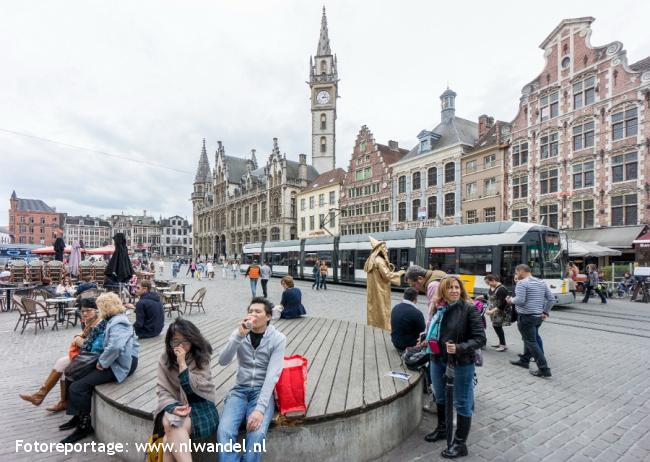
323, 85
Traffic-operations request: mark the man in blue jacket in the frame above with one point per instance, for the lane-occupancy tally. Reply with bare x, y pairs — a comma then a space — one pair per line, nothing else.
149, 312
406, 321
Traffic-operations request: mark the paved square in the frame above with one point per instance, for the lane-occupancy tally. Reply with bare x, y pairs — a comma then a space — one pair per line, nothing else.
595, 407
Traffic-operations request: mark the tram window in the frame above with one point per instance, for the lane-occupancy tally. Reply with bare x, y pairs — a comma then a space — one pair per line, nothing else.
326, 256
443, 261
248, 258
535, 260
511, 256
475, 260
362, 256
310, 258
279, 259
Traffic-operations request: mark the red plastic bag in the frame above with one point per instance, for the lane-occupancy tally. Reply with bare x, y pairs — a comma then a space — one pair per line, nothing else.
291, 388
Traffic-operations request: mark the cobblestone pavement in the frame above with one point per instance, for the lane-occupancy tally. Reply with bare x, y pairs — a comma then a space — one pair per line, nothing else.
595, 407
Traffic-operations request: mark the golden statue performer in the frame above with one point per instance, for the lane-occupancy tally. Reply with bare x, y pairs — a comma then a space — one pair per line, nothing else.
380, 274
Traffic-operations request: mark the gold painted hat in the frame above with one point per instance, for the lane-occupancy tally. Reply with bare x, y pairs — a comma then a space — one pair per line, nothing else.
374, 243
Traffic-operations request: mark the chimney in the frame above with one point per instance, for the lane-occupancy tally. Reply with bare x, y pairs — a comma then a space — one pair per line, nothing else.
144, 213
484, 124
302, 167
393, 145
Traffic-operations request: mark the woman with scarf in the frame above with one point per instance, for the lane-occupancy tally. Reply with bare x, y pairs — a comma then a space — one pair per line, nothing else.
186, 392
455, 333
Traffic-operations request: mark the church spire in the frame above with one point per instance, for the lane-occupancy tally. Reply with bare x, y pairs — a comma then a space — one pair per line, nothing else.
324, 40
203, 170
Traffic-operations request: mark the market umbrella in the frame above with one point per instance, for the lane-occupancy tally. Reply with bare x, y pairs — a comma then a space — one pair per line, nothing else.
590, 249
75, 258
49, 250
449, 399
119, 267
106, 250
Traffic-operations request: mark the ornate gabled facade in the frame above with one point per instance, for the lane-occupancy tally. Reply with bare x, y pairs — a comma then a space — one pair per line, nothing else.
243, 203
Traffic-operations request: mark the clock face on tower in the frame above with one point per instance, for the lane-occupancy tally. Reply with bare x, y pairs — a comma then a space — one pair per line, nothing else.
323, 97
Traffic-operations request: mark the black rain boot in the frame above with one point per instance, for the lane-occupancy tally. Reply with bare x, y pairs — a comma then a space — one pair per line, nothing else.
440, 433
72, 423
83, 430
459, 446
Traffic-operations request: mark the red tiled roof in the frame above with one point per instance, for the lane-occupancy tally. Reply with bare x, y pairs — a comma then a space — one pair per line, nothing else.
326, 179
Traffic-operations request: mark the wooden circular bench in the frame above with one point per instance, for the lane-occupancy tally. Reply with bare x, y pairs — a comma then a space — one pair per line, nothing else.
355, 411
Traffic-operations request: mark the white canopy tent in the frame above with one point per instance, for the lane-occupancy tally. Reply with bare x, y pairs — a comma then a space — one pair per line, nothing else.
590, 249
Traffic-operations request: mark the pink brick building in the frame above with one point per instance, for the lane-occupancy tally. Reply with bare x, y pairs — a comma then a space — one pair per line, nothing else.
578, 158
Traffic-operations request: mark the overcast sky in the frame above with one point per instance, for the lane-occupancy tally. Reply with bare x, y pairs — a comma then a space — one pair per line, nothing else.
147, 80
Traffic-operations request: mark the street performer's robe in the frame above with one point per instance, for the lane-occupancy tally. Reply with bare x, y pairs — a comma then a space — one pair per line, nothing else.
379, 275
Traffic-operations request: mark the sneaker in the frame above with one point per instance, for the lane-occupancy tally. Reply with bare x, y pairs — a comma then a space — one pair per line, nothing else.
496, 346
502, 348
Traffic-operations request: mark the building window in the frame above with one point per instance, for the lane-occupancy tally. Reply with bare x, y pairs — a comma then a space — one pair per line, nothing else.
432, 175
548, 181
414, 209
519, 186
246, 214
416, 181
332, 197
520, 154
432, 207
471, 217
311, 223
385, 207
239, 217
323, 121
450, 204
323, 144
332, 220
624, 210
548, 106
584, 92
263, 211
490, 186
583, 136
583, 175
358, 175
292, 205
470, 166
425, 145
321, 200
490, 161
548, 215
520, 215
470, 190
583, 213
302, 204
401, 184
321, 220
450, 172
624, 124
624, 167
401, 212
490, 214
311, 202
276, 207
275, 234
548, 145
375, 206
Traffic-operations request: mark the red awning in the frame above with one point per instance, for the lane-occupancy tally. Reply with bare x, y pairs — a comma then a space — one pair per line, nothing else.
643, 239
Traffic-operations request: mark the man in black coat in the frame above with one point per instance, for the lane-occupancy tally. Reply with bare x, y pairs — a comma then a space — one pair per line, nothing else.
59, 245
406, 321
149, 312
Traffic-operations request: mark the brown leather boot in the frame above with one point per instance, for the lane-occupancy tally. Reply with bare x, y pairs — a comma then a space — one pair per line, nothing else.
62, 405
37, 398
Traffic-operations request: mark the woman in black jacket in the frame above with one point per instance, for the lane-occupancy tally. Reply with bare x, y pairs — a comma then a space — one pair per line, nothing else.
499, 310
455, 334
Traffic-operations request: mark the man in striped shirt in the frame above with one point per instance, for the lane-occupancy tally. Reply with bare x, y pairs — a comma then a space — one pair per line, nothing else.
533, 301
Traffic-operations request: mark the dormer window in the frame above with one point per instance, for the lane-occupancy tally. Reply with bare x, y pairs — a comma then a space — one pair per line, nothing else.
425, 145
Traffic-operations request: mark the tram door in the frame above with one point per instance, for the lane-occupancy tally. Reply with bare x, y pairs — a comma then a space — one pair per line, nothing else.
511, 256
346, 258
294, 259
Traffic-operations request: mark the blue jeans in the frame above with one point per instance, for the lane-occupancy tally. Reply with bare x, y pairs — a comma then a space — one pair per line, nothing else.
529, 328
463, 386
253, 286
240, 403
316, 283
538, 339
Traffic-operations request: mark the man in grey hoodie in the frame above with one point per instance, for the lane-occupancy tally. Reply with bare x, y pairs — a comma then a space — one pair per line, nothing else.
260, 356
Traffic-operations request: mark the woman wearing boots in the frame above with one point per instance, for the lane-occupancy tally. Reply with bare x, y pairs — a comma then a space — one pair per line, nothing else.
89, 318
499, 309
455, 333
118, 360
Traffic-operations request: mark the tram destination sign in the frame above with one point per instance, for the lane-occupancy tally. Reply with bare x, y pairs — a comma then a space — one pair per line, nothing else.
443, 249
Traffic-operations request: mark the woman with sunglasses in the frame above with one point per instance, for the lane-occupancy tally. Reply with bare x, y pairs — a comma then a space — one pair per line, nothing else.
186, 392
455, 333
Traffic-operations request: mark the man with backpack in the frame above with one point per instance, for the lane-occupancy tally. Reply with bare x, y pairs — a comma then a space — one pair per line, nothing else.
253, 273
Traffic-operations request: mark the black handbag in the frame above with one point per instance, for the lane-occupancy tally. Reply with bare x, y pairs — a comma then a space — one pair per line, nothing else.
415, 357
83, 364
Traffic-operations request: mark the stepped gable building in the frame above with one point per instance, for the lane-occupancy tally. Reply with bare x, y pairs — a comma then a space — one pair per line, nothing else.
240, 202
90, 232
32, 221
483, 173
580, 141
318, 208
323, 85
427, 181
366, 191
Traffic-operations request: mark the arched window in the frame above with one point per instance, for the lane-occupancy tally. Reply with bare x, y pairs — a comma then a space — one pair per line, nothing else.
275, 234
323, 144
415, 208
432, 175
401, 211
263, 235
450, 204
432, 207
416, 181
401, 184
450, 172
323, 67
323, 121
